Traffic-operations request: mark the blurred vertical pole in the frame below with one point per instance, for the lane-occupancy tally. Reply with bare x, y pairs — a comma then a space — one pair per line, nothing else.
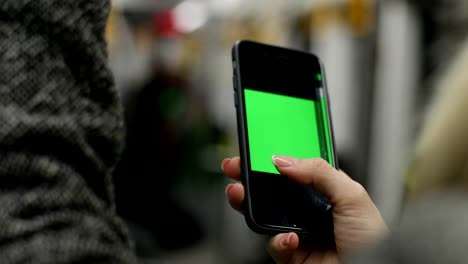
343, 36
398, 74
336, 48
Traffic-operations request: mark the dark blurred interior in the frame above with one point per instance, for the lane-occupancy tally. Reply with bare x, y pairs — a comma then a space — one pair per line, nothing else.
171, 61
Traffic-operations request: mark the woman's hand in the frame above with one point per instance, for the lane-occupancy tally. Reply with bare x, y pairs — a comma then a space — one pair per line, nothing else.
357, 222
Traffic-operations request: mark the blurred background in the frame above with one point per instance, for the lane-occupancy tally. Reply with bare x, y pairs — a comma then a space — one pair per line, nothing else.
171, 60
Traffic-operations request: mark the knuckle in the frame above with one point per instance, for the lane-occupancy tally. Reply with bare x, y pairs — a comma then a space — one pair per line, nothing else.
318, 164
359, 192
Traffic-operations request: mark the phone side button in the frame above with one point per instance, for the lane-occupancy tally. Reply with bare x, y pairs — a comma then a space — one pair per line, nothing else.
236, 103
234, 83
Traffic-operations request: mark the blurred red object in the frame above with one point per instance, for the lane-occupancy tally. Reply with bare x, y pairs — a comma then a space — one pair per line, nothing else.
164, 24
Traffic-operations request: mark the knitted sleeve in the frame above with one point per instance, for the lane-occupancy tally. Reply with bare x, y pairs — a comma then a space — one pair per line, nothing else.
60, 134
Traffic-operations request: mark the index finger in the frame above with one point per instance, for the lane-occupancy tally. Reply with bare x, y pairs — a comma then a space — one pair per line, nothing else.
316, 172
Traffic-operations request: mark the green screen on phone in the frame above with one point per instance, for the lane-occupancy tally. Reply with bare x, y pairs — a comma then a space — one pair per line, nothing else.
282, 125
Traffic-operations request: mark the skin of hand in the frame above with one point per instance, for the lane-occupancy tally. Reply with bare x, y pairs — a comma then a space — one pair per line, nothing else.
357, 221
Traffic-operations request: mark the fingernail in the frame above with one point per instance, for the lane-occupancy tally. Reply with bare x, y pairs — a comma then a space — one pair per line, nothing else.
228, 188
282, 161
286, 240
224, 162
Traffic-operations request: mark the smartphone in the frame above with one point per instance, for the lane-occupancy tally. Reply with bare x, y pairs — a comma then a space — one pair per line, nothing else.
282, 108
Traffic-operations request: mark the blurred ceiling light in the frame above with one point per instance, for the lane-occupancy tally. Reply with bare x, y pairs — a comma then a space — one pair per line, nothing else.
190, 15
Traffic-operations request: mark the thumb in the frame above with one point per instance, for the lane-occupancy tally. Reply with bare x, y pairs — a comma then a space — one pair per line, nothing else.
316, 173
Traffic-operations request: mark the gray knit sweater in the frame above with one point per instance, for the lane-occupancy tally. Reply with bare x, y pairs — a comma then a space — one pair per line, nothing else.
60, 134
